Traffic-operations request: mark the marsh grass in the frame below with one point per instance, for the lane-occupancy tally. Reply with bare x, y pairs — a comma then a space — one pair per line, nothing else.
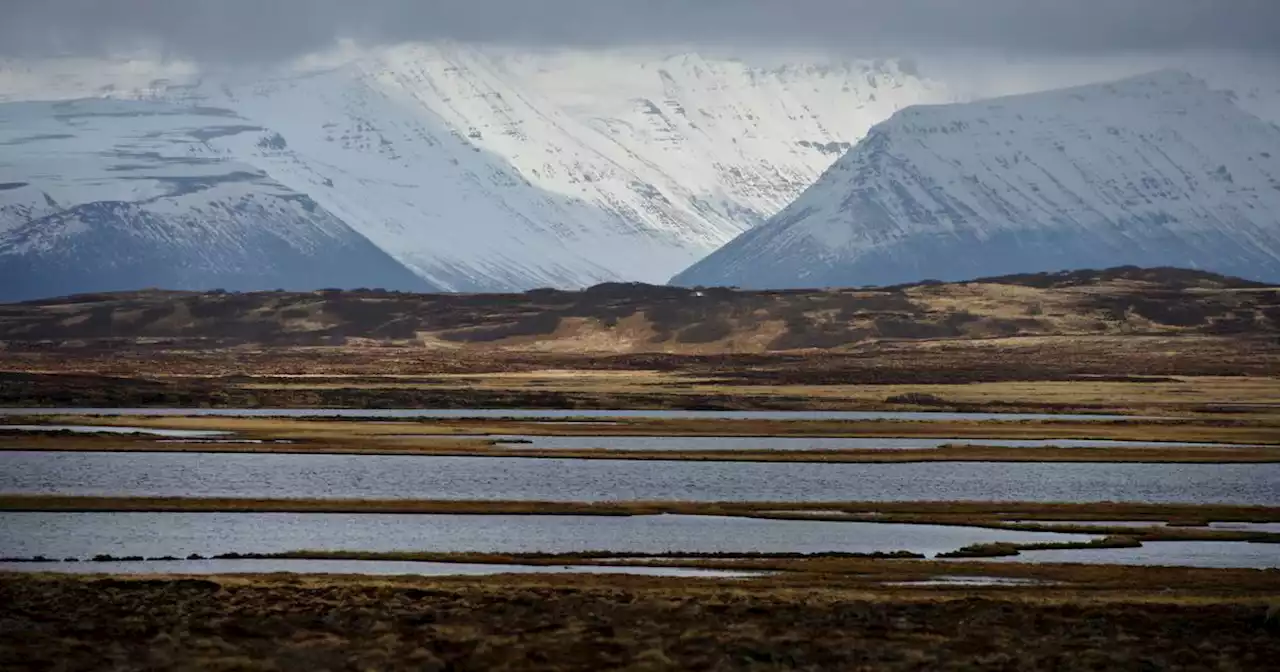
439, 437
638, 623
1005, 549
483, 448
1153, 431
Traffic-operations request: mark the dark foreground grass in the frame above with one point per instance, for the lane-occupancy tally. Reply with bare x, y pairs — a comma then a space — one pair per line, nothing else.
588, 623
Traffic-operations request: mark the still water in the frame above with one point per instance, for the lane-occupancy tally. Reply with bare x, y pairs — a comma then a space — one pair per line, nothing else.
367, 567
1222, 554
1272, 528
115, 429
83, 535
558, 479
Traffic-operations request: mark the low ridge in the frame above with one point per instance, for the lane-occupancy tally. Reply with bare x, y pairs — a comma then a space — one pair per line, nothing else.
638, 318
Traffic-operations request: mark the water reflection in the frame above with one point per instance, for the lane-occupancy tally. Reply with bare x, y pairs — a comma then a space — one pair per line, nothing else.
114, 429
84, 535
558, 479
1220, 554
367, 567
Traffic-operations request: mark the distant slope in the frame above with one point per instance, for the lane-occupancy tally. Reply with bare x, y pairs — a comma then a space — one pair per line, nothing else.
250, 243
115, 195
1155, 170
633, 318
486, 169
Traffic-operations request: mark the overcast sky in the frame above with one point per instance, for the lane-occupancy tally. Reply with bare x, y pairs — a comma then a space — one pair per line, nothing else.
265, 30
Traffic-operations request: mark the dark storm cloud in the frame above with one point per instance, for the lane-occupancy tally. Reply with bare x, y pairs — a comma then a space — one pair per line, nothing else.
248, 30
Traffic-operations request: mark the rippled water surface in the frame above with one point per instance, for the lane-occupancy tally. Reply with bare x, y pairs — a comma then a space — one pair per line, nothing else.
84, 535
557, 479
1222, 554
1273, 528
971, 581
115, 429
369, 567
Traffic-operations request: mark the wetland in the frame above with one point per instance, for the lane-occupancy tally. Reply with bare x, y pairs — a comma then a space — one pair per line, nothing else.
1100, 448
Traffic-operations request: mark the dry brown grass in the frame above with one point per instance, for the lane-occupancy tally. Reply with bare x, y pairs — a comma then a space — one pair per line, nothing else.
1077, 393
439, 438
481, 449
1265, 430
959, 513
1175, 396
844, 570
1145, 373
593, 623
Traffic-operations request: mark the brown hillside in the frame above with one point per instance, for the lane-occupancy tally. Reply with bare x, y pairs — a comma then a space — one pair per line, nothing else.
633, 318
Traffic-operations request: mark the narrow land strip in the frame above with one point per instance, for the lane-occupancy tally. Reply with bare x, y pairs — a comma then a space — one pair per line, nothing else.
1186, 518
963, 453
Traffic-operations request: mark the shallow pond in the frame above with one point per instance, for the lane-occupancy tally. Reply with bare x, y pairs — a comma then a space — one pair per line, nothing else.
972, 581
114, 429
367, 567
1221, 554
558, 479
84, 535
537, 414
1273, 528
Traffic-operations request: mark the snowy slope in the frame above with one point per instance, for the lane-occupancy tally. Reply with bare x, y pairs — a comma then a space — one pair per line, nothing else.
1155, 170
744, 138
482, 171
104, 194
486, 169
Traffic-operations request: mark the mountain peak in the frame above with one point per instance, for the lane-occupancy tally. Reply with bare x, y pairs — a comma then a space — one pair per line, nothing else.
1153, 170
1160, 90
476, 167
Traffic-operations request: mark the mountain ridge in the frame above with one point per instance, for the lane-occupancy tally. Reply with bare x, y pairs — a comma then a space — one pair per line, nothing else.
132, 198
1151, 170
482, 169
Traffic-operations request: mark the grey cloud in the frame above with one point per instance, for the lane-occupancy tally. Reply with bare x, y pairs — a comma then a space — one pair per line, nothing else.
254, 30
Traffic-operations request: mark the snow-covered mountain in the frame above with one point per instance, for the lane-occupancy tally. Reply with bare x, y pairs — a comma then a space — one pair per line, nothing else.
1154, 170
474, 168
104, 194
